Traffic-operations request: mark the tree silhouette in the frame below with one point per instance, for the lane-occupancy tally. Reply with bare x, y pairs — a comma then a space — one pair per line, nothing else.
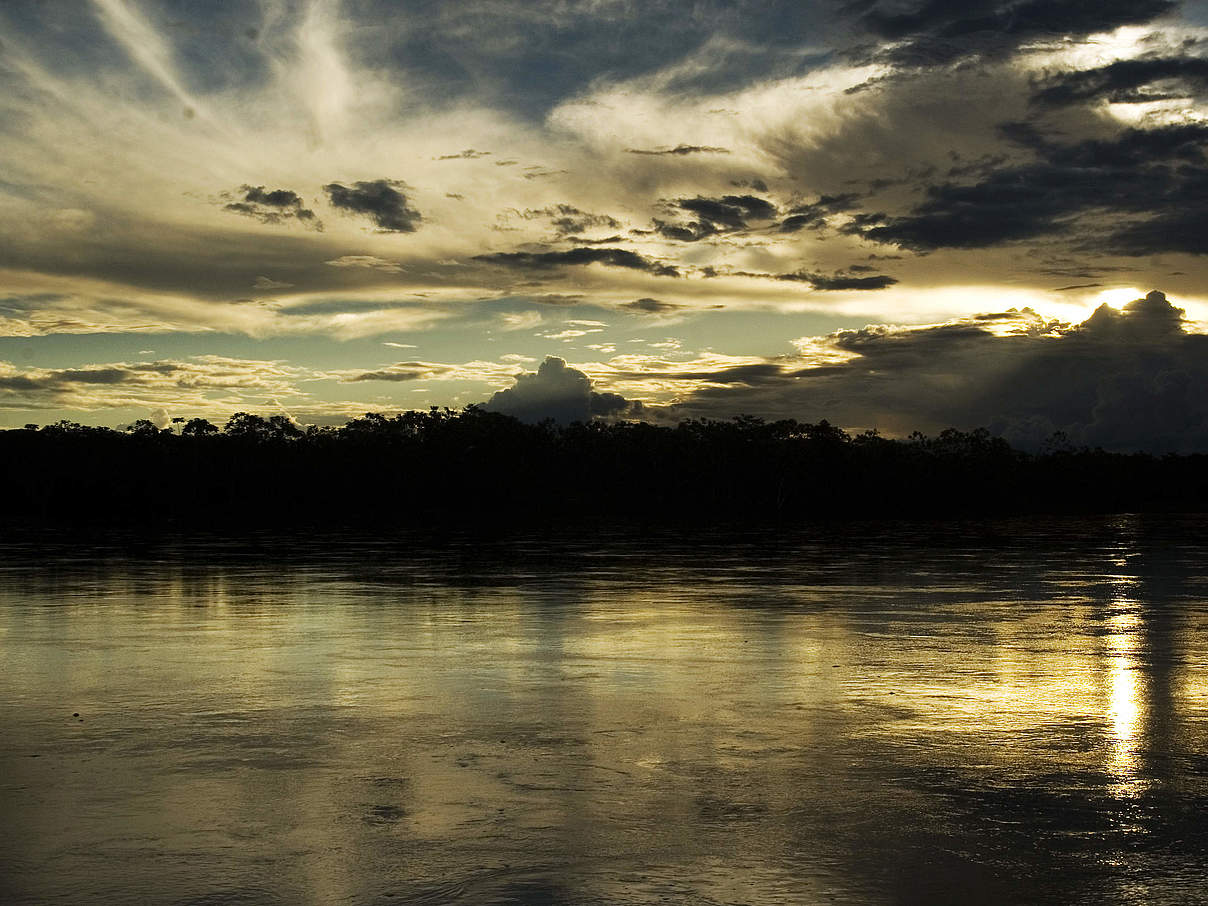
198, 427
472, 468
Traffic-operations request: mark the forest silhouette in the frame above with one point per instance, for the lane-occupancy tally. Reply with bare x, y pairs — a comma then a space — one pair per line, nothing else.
480, 470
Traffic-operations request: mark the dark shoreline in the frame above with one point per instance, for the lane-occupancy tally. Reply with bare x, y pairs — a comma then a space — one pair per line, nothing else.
477, 472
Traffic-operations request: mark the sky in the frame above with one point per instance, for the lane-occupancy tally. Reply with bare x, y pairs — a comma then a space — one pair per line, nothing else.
892, 214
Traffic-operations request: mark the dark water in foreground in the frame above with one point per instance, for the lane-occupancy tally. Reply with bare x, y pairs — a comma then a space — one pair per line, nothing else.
1004, 713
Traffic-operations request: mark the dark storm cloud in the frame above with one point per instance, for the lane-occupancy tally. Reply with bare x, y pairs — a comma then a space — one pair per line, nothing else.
648, 306
1179, 230
692, 231
380, 200
839, 281
579, 256
941, 32
1130, 379
727, 214
822, 282
272, 206
680, 150
1126, 82
814, 214
555, 391
1151, 182
730, 211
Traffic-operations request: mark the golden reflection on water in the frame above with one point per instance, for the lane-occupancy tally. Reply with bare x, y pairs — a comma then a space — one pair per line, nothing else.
755, 740
1126, 704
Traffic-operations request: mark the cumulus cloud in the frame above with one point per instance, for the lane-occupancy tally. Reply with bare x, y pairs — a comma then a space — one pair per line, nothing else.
380, 200
272, 206
1125, 379
556, 391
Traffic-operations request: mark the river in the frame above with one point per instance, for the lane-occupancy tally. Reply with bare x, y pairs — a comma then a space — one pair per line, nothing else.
1004, 712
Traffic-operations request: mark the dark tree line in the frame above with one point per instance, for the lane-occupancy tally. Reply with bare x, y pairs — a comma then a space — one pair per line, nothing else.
482, 470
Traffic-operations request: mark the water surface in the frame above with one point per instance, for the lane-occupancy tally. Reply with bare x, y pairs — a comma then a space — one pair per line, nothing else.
1007, 712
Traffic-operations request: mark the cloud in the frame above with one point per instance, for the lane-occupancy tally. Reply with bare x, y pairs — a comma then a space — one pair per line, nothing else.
557, 299
380, 200
578, 257
555, 391
371, 262
201, 383
520, 320
693, 231
1122, 379
1126, 82
822, 282
467, 154
263, 282
648, 306
570, 334
568, 220
477, 371
1150, 179
939, 33
272, 206
403, 371
814, 215
729, 211
727, 214
833, 282
679, 150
